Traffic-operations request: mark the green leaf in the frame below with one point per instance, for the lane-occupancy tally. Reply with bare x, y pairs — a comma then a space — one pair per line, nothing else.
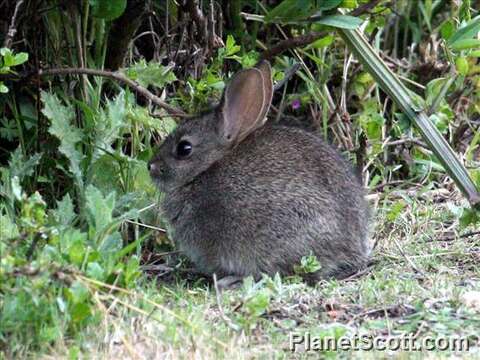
461, 64
99, 209
465, 44
339, 21
289, 10
78, 292
23, 166
108, 9
328, 4
109, 125
64, 213
259, 303
79, 312
447, 29
322, 42
3, 88
230, 46
395, 210
20, 58
151, 73
470, 30
95, 271
61, 118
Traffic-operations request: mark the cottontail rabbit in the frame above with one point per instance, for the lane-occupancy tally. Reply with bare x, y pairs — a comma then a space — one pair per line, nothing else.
245, 199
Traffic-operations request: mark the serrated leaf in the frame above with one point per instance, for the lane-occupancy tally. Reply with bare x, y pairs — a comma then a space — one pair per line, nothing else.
99, 209
22, 166
61, 118
151, 73
109, 125
64, 213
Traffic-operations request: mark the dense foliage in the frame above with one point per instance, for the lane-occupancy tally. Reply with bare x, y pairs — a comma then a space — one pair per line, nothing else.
75, 194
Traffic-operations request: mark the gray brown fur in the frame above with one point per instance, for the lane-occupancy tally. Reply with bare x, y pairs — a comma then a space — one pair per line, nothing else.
260, 205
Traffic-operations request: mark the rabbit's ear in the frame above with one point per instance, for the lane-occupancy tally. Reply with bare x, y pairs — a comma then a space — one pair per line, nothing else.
266, 70
245, 104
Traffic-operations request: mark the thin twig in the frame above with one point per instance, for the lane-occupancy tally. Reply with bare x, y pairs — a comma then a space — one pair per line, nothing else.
118, 77
298, 41
225, 318
146, 226
410, 261
12, 29
288, 74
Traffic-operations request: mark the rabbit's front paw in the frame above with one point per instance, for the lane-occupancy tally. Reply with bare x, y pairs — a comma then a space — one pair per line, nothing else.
229, 282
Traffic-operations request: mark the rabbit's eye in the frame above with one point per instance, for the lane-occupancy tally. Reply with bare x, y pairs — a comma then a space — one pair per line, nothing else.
184, 149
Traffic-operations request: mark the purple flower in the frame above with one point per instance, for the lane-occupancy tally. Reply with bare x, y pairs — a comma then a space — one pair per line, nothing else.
296, 104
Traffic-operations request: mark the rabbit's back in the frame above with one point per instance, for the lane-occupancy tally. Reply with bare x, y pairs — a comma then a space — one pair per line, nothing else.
281, 194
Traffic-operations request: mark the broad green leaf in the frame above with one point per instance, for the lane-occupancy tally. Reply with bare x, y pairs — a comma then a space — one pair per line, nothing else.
339, 21
465, 44
20, 58
105, 172
61, 118
108, 9
447, 29
328, 4
3, 88
95, 271
79, 312
79, 293
289, 10
470, 30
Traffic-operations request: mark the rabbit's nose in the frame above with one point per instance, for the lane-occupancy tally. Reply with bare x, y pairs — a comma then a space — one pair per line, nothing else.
155, 168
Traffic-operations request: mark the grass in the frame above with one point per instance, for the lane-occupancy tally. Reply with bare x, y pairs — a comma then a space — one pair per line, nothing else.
420, 270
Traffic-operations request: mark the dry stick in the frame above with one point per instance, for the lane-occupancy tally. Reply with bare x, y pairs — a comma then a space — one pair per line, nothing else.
12, 29
225, 318
193, 8
120, 78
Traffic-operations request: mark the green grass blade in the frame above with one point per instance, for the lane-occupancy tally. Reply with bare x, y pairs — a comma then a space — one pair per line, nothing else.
399, 93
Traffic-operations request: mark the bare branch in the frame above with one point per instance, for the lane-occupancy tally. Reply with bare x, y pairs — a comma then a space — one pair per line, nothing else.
12, 29
120, 78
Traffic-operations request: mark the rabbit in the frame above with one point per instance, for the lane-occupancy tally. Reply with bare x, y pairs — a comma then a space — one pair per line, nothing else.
244, 198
